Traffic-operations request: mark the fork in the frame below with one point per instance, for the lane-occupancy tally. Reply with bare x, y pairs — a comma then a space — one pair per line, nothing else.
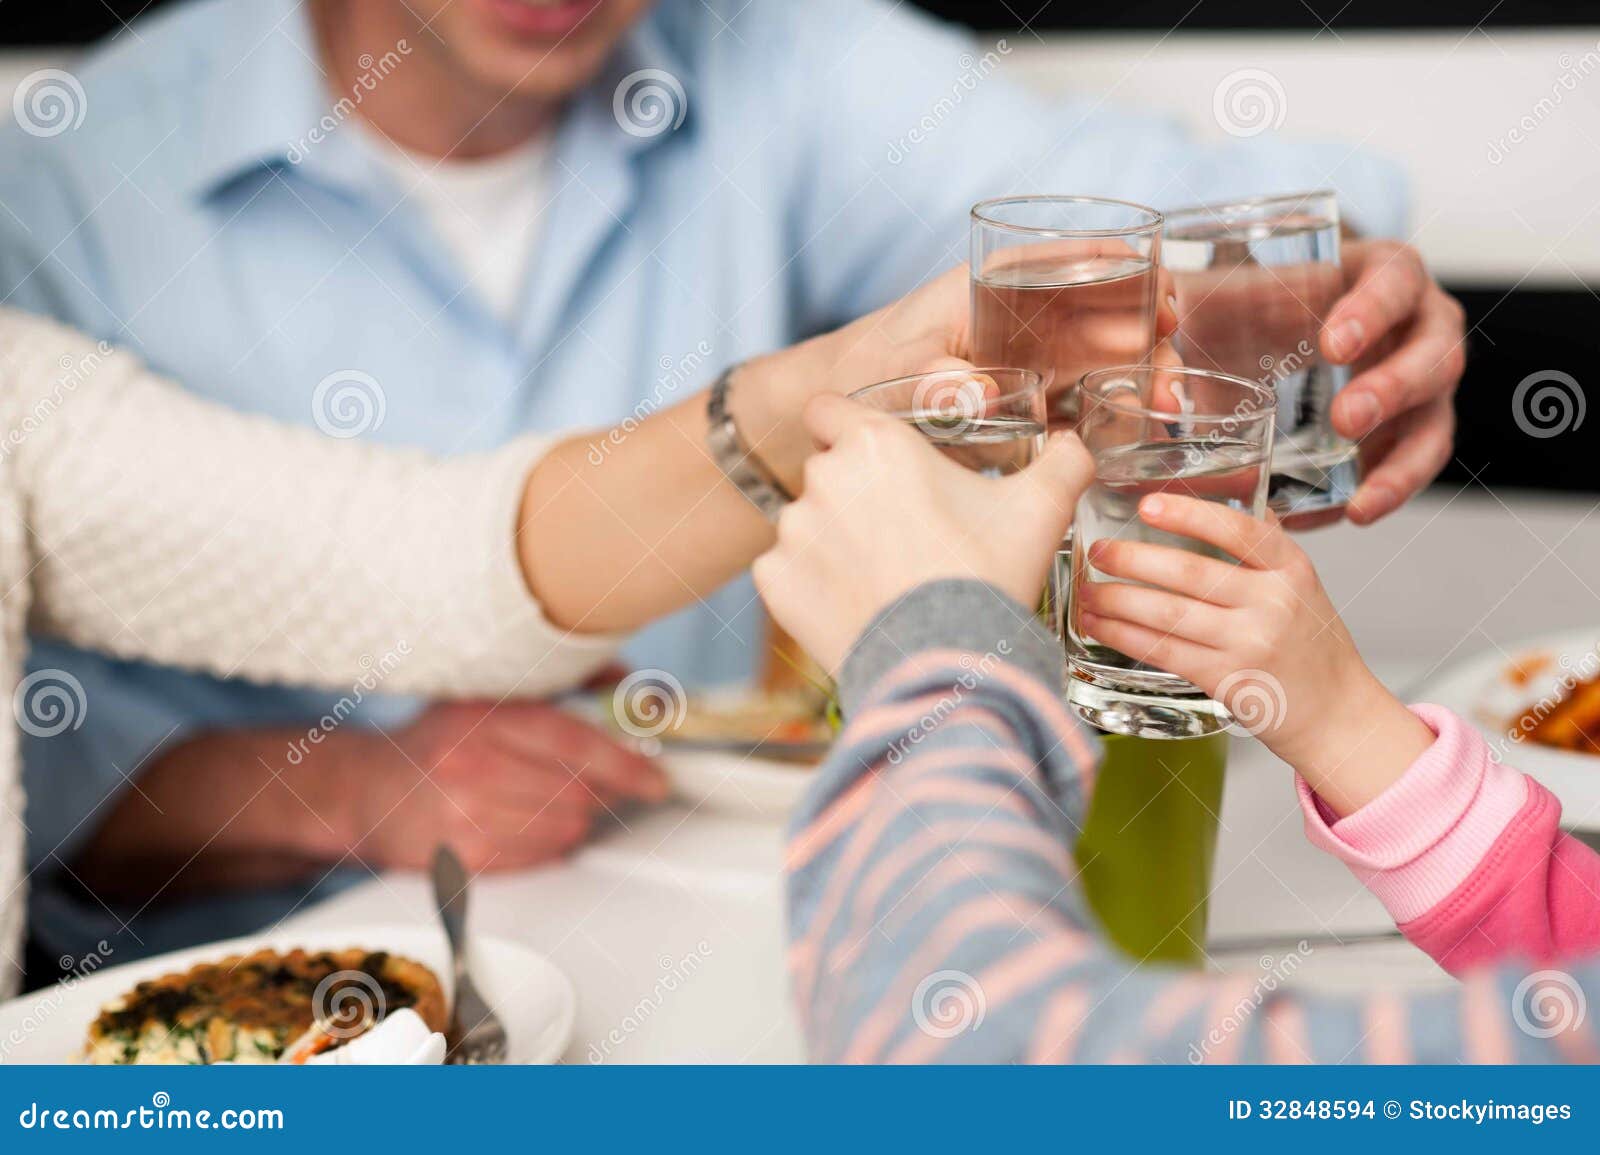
476, 1034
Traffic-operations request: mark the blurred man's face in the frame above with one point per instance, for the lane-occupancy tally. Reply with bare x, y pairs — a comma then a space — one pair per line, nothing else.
541, 49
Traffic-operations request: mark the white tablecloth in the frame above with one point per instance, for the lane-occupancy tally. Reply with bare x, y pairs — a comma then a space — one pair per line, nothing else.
1450, 576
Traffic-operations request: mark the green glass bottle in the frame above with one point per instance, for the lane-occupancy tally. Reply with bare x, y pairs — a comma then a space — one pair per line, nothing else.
1149, 843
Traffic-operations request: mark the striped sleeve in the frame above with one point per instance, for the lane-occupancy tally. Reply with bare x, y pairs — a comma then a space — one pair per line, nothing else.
935, 914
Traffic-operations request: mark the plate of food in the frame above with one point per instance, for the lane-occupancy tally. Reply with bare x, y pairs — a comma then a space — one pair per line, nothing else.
257, 1000
733, 750
1538, 706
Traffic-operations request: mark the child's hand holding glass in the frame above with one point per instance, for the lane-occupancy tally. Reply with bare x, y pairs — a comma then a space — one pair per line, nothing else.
1262, 638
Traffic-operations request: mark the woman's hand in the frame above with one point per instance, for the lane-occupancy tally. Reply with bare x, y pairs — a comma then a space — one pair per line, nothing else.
924, 331
1261, 637
883, 512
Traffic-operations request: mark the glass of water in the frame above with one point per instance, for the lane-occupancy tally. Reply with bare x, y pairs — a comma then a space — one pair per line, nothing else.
991, 421
1254, 283
1062, 285
1158, 429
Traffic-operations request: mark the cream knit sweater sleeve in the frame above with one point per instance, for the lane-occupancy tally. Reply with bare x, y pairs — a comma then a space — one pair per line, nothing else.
169, 528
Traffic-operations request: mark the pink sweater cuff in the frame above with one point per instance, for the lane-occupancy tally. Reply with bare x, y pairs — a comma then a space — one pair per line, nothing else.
1420, 839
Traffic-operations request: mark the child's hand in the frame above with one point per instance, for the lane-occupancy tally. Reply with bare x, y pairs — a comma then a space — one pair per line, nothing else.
1261, 637
883, 511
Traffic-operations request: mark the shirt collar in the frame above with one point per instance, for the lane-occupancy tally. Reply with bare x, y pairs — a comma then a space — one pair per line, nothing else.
265, 98
272, 106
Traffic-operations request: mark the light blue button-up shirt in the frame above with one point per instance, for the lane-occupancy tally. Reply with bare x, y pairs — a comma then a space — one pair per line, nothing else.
215, 210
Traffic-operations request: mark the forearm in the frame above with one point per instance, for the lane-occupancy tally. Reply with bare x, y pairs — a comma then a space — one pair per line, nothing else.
622, 527
931, 884
172, 529
230, 809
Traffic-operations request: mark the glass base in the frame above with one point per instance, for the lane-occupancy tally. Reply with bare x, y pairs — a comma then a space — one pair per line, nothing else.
1117, 710
1306, 485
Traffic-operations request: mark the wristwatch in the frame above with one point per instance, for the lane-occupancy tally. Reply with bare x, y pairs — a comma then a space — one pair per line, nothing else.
738, 462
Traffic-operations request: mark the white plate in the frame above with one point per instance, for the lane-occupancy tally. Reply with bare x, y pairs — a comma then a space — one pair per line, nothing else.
736, 783
533, 998
1478, 690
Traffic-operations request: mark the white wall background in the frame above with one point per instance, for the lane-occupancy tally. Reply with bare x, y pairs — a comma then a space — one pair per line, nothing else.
1440, 103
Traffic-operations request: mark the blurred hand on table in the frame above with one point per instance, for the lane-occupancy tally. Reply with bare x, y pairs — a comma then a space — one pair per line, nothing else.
509, 785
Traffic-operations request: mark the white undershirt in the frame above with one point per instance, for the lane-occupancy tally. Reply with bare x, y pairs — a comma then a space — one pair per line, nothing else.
487, 212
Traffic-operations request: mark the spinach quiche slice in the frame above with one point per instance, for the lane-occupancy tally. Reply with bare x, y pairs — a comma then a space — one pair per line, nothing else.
249, 1008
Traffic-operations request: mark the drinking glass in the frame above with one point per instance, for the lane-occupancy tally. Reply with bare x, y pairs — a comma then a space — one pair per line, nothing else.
1062, 285
991, 421
1158, 429
1254, 283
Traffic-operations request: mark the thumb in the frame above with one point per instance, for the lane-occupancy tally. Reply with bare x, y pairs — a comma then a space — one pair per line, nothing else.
1056, 479
828, 417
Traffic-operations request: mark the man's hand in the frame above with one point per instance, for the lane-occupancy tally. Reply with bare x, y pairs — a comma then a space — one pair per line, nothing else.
1406, 338
507, 786
884, 512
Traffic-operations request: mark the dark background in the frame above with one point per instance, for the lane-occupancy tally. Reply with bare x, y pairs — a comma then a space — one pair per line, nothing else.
1515, 331
69, 21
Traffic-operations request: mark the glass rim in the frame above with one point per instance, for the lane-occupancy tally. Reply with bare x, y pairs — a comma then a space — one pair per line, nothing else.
1269, 200
1268, 397
979, 215
1033, 383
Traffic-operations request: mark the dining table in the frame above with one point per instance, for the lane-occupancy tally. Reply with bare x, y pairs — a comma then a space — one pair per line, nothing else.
671, 922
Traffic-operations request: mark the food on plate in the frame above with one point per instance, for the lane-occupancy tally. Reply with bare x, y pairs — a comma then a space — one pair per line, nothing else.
251, 1008
1568, 722
790, 723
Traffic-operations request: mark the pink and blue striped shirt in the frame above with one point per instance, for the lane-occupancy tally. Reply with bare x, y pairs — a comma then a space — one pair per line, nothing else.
935, 914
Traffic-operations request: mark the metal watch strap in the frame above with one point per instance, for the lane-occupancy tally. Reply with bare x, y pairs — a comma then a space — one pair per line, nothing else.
736, 460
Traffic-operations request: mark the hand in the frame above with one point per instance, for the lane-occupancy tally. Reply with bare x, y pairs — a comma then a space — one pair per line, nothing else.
926, 330
507, 786
1261, 637
883, 512
1407, 339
